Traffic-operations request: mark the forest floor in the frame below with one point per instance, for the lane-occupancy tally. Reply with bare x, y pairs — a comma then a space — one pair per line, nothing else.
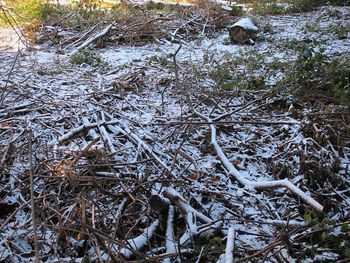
175, 144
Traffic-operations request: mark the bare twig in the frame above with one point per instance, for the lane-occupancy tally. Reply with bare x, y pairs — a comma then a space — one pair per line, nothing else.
32, 197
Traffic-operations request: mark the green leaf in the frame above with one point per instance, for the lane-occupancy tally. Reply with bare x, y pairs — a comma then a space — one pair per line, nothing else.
347, 252
344, 228
216, 241
308, 218
85, 259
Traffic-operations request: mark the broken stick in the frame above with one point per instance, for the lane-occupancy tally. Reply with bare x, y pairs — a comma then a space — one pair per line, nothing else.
260, 185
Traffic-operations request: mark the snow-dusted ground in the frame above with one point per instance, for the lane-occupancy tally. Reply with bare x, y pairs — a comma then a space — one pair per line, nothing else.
93, 187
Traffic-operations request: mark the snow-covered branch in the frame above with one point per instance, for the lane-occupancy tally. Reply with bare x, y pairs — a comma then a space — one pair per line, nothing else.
261, 185
191, 215
170, 237
135, 244
230, 245
93, 39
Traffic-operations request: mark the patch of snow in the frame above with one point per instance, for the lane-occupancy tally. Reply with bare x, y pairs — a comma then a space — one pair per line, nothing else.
246, 24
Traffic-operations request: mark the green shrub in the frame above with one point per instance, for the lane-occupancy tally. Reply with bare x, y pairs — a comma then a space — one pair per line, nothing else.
296, 6
29, 9
339, 77
237, 11
340, 31
85, 13
87, 57
269, 8
305, 5
21, 11
314, 71
33, 11
87, 4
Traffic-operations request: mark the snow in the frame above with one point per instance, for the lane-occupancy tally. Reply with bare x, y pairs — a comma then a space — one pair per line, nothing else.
10, 40
246, 24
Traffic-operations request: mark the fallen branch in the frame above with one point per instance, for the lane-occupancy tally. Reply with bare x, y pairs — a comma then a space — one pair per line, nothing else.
255, 122
135, 244
191, 216
230, 245
83, 127
93, 39
138, 141
83, 36
177, 199
261, 185
32, 197
170, 237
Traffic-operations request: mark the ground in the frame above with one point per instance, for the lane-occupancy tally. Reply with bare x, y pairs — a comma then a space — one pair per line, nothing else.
187, 117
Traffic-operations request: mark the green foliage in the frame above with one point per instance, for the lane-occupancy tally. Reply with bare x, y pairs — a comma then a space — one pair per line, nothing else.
159, 7
85, 259
87, 4
87, 57
265, 7
310, 28
243, 82
211, 244
305, 5
22, 11
48, 12
328, 234
315, 71
268, 8
162, 60
244, 71
237, 10
309, 64
344, 228
340, 31
338, 74
219, 74
310, 218
85, 13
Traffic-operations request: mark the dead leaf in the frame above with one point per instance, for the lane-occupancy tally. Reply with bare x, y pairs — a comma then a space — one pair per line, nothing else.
64, 168
5, 124
194, 176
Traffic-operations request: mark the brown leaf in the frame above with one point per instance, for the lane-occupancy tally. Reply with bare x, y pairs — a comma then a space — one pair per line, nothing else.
194, 176
5, 124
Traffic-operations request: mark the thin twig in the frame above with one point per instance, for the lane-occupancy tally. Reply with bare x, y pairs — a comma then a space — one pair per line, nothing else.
32, 197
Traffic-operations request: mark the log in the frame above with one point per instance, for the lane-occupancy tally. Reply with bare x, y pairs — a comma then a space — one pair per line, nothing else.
243, 32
